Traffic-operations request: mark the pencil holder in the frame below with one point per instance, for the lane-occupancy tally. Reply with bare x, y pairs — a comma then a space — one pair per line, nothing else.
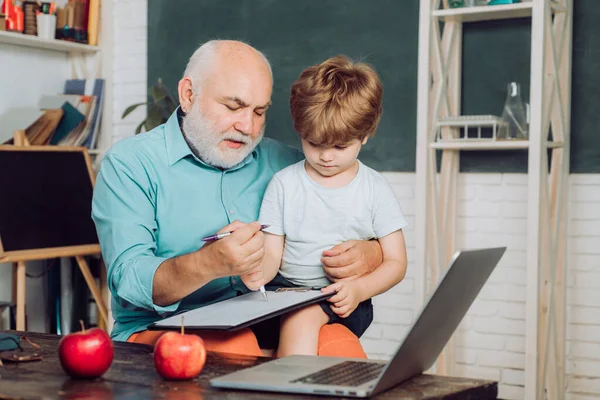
46, 26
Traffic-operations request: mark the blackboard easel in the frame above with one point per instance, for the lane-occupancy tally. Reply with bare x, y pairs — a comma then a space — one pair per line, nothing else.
21, 256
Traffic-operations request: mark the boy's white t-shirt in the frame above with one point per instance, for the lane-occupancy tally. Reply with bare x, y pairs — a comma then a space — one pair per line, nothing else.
314, 218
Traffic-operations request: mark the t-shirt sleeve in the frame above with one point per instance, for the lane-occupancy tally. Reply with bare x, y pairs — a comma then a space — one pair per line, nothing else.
271, 210
387, 213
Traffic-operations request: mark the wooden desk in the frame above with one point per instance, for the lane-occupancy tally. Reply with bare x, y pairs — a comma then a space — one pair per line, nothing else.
132, 375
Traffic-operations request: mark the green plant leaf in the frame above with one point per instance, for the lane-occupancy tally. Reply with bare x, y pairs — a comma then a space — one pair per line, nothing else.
157, 96
164, 100
155, 117
160, 106
139, 127
170, 105
131, 108
158, 91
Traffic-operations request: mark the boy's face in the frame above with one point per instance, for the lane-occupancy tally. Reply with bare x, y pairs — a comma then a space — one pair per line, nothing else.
329, 161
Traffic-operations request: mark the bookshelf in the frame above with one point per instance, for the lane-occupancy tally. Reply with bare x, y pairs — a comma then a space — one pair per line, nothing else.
20, 39
29, 68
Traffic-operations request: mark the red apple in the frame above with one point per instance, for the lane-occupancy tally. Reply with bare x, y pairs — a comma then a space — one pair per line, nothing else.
178, 356
86, 354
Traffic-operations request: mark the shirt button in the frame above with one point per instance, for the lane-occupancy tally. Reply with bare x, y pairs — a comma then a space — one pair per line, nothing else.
233, 281
232, 211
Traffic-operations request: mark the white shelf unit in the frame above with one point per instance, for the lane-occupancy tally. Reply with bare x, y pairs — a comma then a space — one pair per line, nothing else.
464, 125
31, 67
484, 13
21, 39
439, 97
484, 144
488, 13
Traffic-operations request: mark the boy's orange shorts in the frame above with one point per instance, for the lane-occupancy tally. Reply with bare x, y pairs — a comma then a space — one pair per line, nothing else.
335, 340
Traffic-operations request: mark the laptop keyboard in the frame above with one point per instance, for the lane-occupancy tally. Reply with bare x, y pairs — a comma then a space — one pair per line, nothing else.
347, 373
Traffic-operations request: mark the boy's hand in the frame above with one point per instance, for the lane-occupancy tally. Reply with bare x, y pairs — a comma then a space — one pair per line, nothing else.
346, 299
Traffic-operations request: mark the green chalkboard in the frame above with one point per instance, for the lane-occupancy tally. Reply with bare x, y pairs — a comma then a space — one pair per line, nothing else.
296, 34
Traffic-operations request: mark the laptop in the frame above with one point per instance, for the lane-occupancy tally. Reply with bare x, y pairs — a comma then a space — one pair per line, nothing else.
334, 376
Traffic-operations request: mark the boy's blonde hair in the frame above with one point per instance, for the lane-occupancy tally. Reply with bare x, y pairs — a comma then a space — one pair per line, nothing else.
336, 102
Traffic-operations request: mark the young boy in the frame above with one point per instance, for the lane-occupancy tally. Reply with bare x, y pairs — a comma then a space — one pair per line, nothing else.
328, 198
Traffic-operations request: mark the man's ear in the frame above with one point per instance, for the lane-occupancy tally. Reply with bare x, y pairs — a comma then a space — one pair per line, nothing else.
185, 92
365, 140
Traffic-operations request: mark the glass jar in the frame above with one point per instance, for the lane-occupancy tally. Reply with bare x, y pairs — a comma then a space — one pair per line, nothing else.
514, 115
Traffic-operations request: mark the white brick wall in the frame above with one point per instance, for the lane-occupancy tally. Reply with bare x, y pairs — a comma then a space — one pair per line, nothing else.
583, 286
395, 309
130, 60
492, 211
494, 336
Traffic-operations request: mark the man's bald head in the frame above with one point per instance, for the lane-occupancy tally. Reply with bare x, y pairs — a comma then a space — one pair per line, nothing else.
217, 54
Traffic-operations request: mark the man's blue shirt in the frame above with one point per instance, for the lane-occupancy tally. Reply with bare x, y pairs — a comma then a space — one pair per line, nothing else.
154, 200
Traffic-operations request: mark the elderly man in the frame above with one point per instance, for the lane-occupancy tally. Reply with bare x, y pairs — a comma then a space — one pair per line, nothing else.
205, 170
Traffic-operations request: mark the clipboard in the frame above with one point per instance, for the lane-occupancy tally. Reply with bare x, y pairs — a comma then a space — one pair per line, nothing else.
242, 311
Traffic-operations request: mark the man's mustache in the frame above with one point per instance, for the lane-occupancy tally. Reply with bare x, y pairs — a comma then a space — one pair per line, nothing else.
237, 138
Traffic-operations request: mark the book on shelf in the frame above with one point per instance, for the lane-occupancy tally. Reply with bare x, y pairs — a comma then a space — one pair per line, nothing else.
40, 132
90, 87
67, 134
71, 122
78, 21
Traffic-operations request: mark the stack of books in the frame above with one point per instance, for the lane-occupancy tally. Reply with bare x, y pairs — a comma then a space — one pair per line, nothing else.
71, 118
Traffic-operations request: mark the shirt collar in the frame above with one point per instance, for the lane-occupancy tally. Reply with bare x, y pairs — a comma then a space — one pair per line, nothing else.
178, 148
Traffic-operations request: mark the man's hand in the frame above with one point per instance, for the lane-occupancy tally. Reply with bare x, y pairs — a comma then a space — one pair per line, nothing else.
254, 279
352, 259
269, 267
240, 253
346, 299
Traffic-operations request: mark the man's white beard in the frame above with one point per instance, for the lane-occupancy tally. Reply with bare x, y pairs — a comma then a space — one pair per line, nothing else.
202, 135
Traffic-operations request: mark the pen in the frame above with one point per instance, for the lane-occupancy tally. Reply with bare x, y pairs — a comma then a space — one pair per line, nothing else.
218, 236
264, 292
